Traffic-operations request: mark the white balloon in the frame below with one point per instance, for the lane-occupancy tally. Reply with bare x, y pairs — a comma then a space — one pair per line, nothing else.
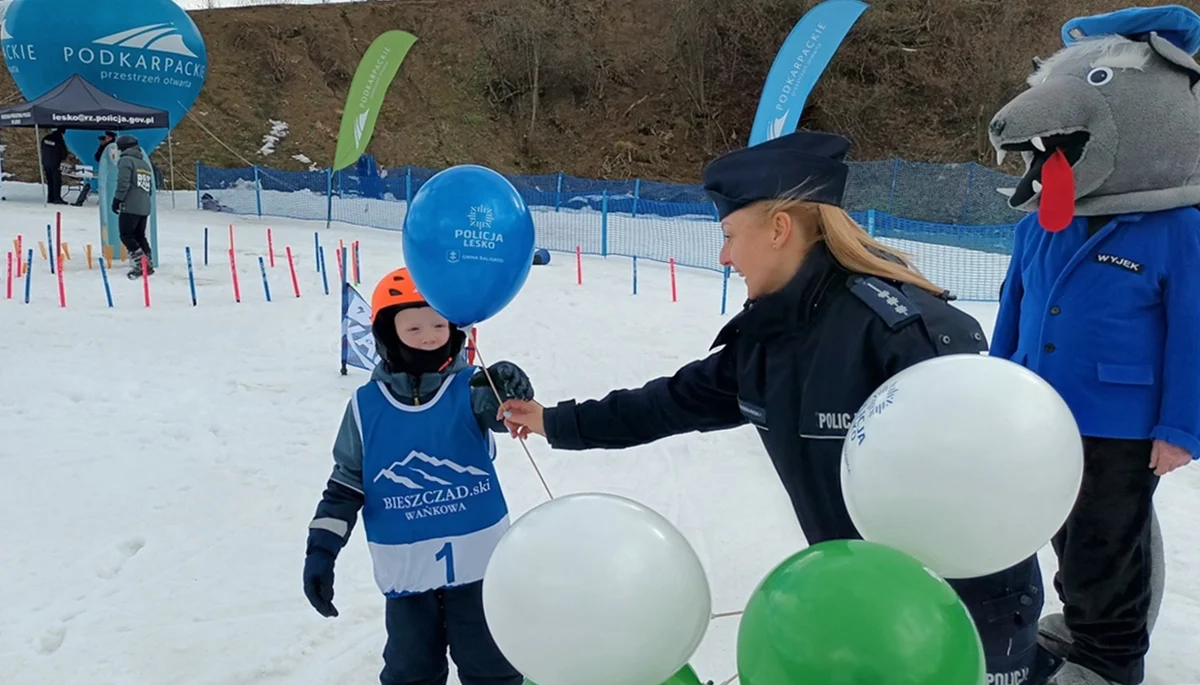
596, 589
967, 462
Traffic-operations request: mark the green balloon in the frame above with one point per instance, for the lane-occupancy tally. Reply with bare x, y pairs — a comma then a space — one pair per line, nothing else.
685, 676
851, 612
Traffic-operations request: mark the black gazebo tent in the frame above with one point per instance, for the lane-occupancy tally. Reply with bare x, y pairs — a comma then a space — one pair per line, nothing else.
77, 104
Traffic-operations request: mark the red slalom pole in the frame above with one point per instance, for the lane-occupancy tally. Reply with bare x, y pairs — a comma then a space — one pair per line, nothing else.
578, 266
146, 280
270, 249
62, 290
237, 291
472, 341
292, 268
674, 297
58, 236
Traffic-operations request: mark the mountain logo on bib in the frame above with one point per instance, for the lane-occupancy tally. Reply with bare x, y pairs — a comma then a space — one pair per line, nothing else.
419, 471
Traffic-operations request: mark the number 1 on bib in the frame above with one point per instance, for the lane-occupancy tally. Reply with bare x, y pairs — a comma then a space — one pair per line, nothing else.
447, 553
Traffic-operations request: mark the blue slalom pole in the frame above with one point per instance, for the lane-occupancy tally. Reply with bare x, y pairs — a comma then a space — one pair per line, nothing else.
345, 266
28, 274
324, 271
205, 248
104, 277
635, 275
262, 266
191, 276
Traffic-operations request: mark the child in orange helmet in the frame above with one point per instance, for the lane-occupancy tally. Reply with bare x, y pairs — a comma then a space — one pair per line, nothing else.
414, 453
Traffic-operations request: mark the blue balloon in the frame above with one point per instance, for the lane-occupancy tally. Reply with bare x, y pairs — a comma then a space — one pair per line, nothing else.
147, 52
468, 243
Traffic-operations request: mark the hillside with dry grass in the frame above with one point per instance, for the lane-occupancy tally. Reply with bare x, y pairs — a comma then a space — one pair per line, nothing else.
597, 88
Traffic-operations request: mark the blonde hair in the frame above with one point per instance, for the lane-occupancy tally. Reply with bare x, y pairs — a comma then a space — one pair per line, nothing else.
849, 244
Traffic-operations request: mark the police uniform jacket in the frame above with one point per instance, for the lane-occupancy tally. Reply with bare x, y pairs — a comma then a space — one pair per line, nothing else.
54, 149
1109, 319
797, 364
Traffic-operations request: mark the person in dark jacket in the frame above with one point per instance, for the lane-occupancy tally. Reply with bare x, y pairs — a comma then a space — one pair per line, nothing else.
54, 153
831, 315
131, 201
105, 140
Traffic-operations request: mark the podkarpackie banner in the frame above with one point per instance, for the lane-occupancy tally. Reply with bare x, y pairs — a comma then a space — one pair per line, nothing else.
370, 84
799, 64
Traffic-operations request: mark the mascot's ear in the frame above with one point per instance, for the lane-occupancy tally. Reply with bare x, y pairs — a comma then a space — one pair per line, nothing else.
1175, 55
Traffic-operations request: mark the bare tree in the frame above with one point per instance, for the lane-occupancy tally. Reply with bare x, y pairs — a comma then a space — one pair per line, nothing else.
518, 36
691, 38
535, 48
722, 51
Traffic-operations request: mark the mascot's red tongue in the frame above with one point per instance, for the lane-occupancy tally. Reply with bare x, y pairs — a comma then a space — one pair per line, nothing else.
1057, 206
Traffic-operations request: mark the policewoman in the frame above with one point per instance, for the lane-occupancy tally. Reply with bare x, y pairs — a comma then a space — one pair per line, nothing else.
831, 314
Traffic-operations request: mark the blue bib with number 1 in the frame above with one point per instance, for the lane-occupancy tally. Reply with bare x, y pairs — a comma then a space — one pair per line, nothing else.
434, 510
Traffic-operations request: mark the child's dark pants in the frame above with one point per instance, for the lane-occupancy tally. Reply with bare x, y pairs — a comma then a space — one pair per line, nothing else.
133, 233
421, 627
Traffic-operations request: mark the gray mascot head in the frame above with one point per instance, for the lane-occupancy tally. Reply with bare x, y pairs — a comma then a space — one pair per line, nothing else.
1121, 102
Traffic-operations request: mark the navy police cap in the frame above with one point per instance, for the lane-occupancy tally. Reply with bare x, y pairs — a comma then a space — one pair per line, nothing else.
809, 162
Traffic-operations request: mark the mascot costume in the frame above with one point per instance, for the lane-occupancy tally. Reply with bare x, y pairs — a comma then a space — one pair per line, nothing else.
1100, 301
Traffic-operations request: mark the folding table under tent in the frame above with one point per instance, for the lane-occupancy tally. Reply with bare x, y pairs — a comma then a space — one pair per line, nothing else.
77, 104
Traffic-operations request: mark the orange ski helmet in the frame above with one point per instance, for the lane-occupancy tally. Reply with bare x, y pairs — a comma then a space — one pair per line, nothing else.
394, 292
395, 289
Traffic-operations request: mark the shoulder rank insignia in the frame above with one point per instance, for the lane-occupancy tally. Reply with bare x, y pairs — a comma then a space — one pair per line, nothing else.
886, 300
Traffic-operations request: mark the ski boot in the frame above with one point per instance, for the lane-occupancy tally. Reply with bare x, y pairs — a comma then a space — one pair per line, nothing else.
135, 265
1074, 674
1054, 636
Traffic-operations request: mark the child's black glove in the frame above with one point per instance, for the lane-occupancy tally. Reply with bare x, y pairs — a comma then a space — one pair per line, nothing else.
116, 206
511, 382
318, 582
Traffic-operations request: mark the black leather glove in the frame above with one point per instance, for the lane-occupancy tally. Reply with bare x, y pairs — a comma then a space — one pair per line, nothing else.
318, 582
510, 381
116, 206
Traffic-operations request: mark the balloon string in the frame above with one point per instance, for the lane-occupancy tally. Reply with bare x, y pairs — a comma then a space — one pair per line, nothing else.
727, 614
525, 447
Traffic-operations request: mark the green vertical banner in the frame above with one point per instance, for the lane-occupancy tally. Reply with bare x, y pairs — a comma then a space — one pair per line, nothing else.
375, 73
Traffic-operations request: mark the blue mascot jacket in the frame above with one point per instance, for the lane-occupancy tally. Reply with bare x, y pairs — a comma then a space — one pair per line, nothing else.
1111, 321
